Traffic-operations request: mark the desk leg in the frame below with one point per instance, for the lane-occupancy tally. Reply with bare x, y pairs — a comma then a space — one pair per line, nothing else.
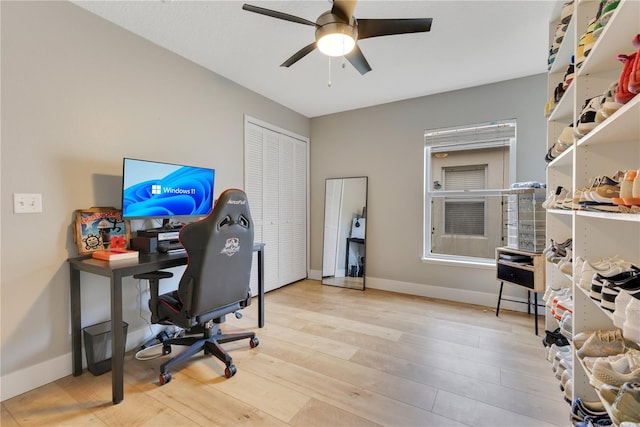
535, 310
117, 343
499, 298
76, 321
261, 288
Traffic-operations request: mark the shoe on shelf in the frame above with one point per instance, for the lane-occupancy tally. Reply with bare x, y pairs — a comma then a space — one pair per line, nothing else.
603, 343
587, 120
634, 74
610, 105
631, 325
626, 407
621, 271
626, 187
566, 325
566, 12
635, 190
568, 391
561, 31
581, 338
589, 39
566, 264
589, 269
622, 300
609, 393
569, 74
555, 337
607, 189
566, 137
624, 95
616, 373
609, 6
581, 409
558, 92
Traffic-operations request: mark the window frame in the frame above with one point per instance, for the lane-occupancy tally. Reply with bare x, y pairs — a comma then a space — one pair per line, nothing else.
485, 135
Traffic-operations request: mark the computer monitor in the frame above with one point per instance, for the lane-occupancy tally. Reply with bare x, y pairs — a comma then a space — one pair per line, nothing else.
165, 190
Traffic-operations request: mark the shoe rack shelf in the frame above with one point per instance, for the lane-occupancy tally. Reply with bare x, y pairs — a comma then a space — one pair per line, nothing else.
612, 146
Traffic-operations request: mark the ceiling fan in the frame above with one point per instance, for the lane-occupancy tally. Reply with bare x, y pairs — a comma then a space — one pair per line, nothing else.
337, 31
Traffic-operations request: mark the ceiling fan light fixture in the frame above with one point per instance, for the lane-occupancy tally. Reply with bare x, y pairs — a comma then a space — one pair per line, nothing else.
336, 39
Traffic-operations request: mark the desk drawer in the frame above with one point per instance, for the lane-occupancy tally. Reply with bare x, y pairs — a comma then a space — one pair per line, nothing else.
516, 275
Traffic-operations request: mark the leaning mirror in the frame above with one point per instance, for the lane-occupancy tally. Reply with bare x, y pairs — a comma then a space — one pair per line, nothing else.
345, 218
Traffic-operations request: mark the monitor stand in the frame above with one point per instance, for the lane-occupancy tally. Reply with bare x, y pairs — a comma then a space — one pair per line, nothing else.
167, 225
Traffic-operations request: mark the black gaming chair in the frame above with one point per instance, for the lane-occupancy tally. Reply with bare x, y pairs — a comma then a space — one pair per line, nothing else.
214, 284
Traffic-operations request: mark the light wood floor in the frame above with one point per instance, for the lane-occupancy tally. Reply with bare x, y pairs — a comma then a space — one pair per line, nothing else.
331, 357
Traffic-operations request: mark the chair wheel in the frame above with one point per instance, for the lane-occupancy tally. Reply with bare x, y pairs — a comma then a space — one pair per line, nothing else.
166, 349
254, 342
165, 377
230, 371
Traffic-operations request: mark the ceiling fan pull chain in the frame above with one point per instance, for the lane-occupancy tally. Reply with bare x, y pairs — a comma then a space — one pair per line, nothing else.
329, 83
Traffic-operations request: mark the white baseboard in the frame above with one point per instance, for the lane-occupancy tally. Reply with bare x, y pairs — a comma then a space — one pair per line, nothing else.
440, 292
315, 274
449, 294
24, 380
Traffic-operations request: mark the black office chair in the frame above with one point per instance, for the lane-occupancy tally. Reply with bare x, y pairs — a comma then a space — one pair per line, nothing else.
214, 284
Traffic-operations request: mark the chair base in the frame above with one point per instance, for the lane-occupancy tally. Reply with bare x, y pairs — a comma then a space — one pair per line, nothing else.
210, 342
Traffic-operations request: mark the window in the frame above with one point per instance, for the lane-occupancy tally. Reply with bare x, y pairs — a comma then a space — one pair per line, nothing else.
464, 216
466, 171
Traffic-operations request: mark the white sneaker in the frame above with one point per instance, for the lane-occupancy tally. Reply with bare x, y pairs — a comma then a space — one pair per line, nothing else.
631, 325
625, 369
622, 300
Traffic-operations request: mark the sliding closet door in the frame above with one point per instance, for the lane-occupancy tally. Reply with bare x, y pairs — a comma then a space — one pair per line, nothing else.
276, 186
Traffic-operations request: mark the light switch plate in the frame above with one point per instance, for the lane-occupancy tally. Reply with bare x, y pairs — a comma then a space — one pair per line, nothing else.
27, 203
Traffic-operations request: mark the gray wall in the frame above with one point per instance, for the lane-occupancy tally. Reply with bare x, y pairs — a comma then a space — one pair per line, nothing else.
78, 94
385, 143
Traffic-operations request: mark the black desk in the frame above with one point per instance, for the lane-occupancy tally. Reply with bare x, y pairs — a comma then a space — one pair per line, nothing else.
115, 271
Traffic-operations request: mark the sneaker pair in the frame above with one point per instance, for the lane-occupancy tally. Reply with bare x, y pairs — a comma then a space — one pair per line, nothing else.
617, 372
605, 10
556, 338
602, 343
587, 120
628, 281
585, 43
555, 251
617, 273
589, 269
588, 411
608, 104
602, 192
566, 12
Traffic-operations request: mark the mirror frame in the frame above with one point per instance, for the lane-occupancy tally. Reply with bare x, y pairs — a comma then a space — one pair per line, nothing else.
342, 231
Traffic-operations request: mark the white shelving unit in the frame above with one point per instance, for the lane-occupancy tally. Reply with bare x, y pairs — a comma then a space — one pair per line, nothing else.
612, 146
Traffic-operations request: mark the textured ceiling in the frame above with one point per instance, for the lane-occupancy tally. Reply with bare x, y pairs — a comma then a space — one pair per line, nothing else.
471, 43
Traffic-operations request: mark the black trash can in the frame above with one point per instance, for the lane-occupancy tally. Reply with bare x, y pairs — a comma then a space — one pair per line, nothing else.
97, 345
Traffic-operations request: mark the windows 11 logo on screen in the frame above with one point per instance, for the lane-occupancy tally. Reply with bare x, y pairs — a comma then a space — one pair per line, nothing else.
155, 189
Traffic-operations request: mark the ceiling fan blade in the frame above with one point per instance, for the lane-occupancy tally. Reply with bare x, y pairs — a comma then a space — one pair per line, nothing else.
358, 60
343, 8
386, 27
299, 55
276, 14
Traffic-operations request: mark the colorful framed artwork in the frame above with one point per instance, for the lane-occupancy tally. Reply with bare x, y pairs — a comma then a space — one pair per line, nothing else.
100, 229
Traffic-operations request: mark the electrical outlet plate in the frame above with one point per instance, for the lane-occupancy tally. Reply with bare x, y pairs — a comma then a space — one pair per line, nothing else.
27, 203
